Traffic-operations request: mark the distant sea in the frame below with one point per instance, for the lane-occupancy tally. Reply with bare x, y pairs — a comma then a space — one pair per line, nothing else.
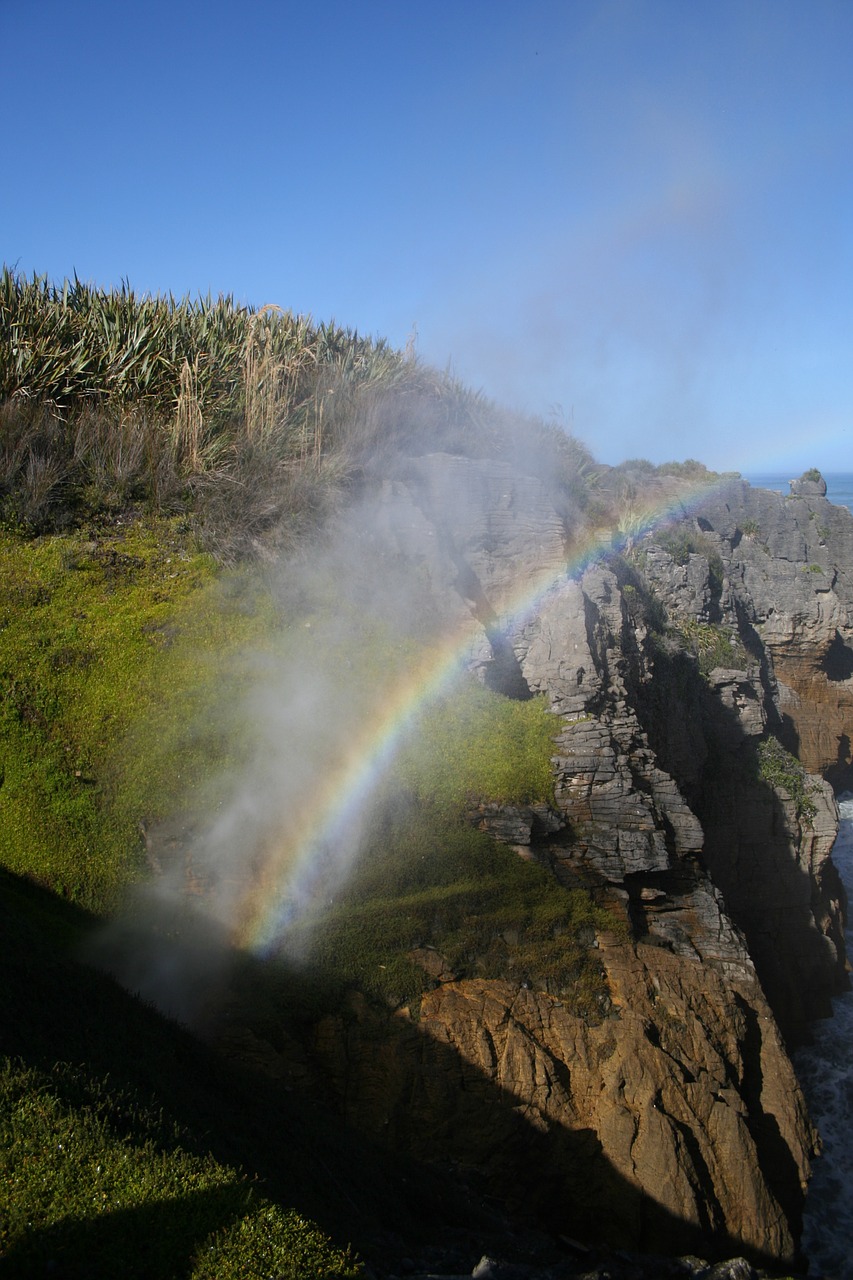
839, 484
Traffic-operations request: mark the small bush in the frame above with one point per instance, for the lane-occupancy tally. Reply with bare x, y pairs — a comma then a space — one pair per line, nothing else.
683, 542
711, 645
690, 469
779, 768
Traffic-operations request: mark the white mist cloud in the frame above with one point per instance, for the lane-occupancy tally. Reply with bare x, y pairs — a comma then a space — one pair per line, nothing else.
277, 839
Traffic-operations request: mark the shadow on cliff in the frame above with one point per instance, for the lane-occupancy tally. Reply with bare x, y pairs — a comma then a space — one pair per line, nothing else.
388, 1077
840, 775
394, 1143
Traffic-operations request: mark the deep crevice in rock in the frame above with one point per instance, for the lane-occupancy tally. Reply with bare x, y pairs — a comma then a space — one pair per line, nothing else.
837, 664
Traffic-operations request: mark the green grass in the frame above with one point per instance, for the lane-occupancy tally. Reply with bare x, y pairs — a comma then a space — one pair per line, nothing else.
127, 1148
110, 650
98, 1180
474, 742
426, 878
430, 881
779, 768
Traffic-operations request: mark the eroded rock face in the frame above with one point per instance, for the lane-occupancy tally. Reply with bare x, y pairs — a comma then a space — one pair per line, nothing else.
679, 1118
789, 573
676, 1124
785, 593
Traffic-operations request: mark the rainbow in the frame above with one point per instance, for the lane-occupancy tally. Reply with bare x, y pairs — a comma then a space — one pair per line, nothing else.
322, 835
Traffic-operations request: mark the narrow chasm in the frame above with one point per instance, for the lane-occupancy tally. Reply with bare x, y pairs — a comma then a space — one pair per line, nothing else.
837, 663
503, 674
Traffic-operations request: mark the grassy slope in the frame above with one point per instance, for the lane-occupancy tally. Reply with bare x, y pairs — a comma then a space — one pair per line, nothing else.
124, 1141
107, 648
116, 638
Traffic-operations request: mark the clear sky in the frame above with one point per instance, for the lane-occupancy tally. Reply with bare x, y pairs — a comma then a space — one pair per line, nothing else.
637, 214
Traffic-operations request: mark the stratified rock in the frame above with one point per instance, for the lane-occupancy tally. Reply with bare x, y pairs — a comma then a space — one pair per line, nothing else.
674, 1123
791, 579
656, 1129
679, 1118
516, 824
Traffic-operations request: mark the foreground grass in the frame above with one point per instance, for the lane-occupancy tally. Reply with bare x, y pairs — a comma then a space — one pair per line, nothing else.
97, 1180
125, 1148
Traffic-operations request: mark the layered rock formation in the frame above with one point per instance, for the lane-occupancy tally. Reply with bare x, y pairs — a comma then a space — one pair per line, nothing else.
675, 1123
774, 574
790, 567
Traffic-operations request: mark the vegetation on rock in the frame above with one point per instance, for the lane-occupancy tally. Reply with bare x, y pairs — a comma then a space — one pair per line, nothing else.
711, 644
779, 768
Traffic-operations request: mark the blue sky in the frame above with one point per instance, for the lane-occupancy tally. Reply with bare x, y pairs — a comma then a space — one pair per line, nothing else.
636, 215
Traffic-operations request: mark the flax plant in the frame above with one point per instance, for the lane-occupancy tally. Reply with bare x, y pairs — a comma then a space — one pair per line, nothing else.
188, 424
110, 397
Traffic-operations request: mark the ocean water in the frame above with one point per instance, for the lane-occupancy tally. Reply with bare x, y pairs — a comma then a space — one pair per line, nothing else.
839, 484
825, 1070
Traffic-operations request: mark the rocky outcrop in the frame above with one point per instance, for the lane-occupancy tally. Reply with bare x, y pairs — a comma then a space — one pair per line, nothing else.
675, 1122
811, 484
784, 594
788, 566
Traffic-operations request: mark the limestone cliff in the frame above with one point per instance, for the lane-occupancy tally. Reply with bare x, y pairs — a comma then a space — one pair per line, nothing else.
773, 573
675, 1122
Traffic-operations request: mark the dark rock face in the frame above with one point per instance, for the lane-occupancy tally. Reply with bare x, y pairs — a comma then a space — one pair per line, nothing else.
676, 1124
